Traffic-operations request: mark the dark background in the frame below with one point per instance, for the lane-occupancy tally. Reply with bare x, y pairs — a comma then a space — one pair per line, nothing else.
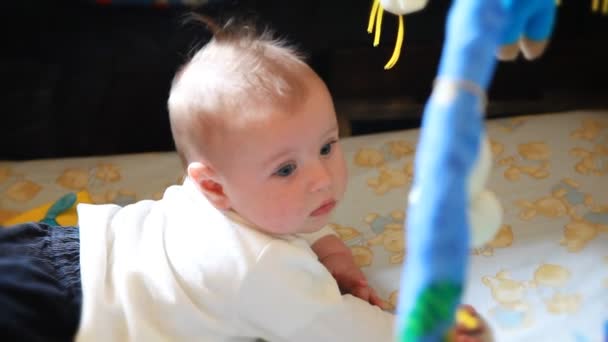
82, 79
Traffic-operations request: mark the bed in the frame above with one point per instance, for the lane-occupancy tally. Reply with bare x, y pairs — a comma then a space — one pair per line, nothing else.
543, 277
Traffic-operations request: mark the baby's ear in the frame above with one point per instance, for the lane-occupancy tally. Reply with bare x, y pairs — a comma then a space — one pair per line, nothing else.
208, 183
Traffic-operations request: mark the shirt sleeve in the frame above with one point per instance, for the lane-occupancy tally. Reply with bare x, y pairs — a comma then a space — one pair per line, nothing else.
289, 296
311, 238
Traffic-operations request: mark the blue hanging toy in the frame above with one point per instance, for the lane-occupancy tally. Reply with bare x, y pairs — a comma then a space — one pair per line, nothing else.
449, 210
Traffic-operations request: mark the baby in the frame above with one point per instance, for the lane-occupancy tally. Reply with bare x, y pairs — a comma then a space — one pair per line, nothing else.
240, 251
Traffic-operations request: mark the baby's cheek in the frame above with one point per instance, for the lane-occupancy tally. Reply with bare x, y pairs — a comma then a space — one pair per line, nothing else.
341, 179
282, 217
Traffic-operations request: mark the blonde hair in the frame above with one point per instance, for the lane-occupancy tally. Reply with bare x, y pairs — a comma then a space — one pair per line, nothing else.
231, 80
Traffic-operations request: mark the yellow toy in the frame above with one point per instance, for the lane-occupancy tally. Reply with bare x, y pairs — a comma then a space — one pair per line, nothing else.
61, 212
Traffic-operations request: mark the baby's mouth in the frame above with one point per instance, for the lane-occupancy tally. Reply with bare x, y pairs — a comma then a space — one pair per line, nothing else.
325, 208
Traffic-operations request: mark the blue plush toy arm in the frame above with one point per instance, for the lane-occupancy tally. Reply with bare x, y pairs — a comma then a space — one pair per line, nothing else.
474, 29
529, 28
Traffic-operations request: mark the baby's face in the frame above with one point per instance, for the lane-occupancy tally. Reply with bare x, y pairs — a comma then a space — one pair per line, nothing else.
285, 174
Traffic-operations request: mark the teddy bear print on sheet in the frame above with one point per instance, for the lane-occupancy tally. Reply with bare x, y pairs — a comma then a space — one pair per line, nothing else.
109, 179
22, 190
548, 274
532, 161
532, 158
380, 240
17, 187
592, 150
585, 219
81, 178
15, 190
100, 180
389, 174
513, 124
389, 235
518, 301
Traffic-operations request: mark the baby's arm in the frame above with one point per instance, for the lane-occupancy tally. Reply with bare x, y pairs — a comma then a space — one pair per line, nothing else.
290, 296
351, 320
339, 260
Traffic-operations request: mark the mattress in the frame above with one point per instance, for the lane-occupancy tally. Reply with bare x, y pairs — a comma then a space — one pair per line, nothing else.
543, 277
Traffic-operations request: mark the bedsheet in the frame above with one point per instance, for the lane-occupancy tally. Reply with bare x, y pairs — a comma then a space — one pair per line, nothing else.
543, 277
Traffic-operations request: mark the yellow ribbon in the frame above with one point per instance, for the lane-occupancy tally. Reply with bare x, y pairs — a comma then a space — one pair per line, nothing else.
374, 25
595, 6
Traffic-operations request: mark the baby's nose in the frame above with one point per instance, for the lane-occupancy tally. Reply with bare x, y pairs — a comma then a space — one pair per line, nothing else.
320, 178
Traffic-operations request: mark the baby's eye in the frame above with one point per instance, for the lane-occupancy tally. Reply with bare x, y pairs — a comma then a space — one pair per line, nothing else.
285, 170
326, 149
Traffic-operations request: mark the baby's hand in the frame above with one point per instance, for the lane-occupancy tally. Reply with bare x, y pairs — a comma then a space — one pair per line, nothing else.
339, 261
470, 326
350, 278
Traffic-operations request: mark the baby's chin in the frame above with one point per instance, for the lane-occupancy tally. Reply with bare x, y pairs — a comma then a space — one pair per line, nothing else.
306, 226
313, 225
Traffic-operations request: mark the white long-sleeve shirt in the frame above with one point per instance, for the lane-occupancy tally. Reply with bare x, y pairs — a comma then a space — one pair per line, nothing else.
178, 269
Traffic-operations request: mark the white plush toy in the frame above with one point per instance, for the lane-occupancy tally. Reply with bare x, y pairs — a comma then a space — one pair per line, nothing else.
396, 7
485, 211
402, 7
